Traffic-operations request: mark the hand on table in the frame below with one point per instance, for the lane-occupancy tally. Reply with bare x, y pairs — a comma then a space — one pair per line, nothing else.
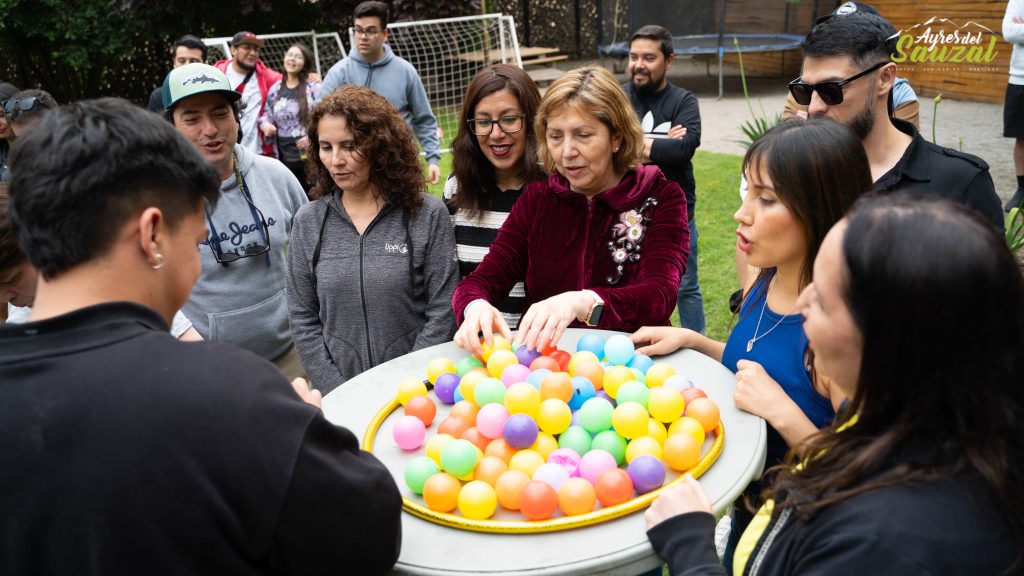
756, 391
682, 498
481, 319
311, 397
659, 340
546, 321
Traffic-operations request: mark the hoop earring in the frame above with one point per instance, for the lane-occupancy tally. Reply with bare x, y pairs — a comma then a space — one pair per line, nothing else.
160, 262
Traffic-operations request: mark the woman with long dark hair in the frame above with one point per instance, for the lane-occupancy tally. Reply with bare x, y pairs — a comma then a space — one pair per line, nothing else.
494, 157
288, 103
916, 313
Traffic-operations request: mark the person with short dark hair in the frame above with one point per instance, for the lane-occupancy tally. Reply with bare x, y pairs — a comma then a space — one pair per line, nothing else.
371, 63
186, 50
251, 78
26, 108
670, 118
125, 451
6, 133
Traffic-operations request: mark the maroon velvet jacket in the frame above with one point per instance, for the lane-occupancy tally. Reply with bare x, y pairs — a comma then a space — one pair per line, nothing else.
558, 242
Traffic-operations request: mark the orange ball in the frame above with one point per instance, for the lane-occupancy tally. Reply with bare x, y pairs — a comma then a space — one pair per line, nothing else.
537, 501
441, 492
704, 411
489, 469
613, 487
476, 438
545, 362
423, 408
453, 425
509, 486
576, 496
681, 452
465, 410
498, 447
592, 371
688, 426
562, 357
556, 385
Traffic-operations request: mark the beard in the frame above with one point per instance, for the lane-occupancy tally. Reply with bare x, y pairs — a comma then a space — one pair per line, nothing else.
864, 121
649, 87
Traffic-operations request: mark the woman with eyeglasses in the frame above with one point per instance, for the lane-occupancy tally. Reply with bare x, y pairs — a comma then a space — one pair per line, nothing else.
494, 157
916, 313
371, 263
288, 104
598, 243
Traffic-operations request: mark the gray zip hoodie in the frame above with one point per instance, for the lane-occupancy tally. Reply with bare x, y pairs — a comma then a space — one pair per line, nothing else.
373, 296
395, 79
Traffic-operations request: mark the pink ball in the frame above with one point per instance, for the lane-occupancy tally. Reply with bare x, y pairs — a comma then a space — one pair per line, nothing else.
566, 458
514, 373
409, 433
490, 420
593, 463
551, 474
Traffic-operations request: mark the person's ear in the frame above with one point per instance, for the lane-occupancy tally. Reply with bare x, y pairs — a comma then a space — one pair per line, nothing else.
153, 234
886, 78
669, 60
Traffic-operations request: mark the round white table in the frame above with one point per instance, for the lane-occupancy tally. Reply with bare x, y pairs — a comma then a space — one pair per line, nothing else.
616, 547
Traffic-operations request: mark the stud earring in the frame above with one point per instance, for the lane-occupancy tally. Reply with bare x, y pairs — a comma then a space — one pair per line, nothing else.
159, 262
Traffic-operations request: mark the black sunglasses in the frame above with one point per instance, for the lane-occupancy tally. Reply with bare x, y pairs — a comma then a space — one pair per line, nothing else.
831, 93
23, 104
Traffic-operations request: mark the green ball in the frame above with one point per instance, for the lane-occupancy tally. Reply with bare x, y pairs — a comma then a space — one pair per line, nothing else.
466, 364
459, 458
596, 415
612, 443
640, 376
489, 391
576, 438
633, 392
417, 471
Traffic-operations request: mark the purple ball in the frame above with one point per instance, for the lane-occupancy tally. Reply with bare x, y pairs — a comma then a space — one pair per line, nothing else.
678, 381
444, 387
647, 472
520, 431
575, 420
526, 356
566, 458
553, 474
514, 374
602, 394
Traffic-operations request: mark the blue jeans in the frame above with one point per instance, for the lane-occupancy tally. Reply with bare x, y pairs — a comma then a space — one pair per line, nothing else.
690, 300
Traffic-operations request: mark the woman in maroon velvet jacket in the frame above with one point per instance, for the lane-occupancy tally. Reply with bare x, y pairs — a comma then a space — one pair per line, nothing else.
602, 242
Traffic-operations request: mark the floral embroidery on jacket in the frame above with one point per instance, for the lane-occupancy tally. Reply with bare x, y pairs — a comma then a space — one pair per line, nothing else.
627, 234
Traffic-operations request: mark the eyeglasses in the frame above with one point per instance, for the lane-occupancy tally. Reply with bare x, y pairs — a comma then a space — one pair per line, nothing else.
508, 124
291, 56
23, 104
368, 32
831, 93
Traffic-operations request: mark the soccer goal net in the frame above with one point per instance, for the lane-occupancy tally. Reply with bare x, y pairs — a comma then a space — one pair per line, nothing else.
326, 47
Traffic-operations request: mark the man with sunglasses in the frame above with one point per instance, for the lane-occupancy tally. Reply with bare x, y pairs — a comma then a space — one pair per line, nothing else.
26, 108
371, 63
240, 296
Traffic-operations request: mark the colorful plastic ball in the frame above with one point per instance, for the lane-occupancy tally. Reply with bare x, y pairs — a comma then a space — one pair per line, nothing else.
658, 373
612, 443
545, 444
522, 398
681, 452
538, 500
547, 363
509, 486
468, 384
514, 373
499, 344
576, 496
678, 381
410, 388
553, 474
457, 395
465, 410
499, 360
476, 438
704, 411
423, 408
633, 391
647, 473
459, 457
613, 487
665, 404
596, 415
642, 446
489, 391
689, 426
500, 449
618, 349
630, 420
615, 377
465, 365
490, 420
593, 463
554, 416
537, 376
641, 362
439, 366
566, 458
417, 471
592, 371
604, 396
656, 430
591, 343
562, 357
526, 461
582, 390
520, 431
477, 500
409, 432
453, 426
556, 385
581, 357
526, 356
691, 394
445, 387
640, 376
441, 492
436, 445
576, 438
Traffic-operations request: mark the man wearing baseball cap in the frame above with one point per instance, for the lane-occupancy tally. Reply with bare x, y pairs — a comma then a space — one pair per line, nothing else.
251, 78
240, 295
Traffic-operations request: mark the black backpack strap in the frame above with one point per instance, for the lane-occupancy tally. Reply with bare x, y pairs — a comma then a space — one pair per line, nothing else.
319, 243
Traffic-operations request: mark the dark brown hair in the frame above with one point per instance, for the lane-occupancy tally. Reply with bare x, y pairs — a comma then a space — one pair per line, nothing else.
470, 166
11, 253
380, 135
300, 92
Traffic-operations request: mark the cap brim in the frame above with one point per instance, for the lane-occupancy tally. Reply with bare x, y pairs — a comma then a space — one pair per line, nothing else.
254, 41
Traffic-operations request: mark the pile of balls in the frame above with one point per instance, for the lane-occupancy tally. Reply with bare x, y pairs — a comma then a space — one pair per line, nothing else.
542, 431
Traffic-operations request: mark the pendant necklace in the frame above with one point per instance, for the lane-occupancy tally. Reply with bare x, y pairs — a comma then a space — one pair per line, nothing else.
752, 341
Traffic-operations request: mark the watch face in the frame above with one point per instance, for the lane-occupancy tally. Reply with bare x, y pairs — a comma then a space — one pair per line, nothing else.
595, 316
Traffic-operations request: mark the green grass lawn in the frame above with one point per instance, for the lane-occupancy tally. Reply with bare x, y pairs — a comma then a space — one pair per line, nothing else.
718, 182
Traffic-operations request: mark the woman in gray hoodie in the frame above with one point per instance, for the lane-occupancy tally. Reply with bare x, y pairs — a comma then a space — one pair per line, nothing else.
372, 265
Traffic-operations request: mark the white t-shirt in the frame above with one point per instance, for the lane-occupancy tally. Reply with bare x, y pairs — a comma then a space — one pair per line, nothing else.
251, 110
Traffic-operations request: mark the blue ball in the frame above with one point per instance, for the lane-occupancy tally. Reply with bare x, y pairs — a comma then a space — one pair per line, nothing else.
457, 395
619, 349
591, 343
537, 376
582, 390
641, 362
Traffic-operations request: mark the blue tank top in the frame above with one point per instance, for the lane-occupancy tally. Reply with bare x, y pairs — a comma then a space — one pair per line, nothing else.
781, 353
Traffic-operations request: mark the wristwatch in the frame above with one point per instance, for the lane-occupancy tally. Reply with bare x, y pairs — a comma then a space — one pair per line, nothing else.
596, 309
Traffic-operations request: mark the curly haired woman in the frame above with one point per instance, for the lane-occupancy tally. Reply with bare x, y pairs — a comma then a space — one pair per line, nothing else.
372, 265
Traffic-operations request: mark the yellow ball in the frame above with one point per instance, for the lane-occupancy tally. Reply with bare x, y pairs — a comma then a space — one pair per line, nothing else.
642, 446
681, 452
545, 444
477, 500
499, 360
499, 344
436, 444
658, 373
630, 420
554, 416
468, 383
409, 389
579, 358
526, 461
656, 430
690, 426
666, 404
439, 366
523, 398
616, 376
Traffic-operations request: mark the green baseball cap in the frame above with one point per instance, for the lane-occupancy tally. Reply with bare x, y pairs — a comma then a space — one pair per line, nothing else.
196, 78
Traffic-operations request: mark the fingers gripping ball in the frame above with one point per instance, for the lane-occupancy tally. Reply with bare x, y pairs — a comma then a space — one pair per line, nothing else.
554, 417
477, 500
410, 388
499, 344
526, 356
499, 360
630, 420
441, 492
538, 500
459, 458
418, 471
423, 408
409, 433
576, 496
510, 485
439, 366
704, 411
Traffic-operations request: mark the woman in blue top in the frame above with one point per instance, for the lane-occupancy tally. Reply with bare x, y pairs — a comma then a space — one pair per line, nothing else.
288, 104
803, 175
